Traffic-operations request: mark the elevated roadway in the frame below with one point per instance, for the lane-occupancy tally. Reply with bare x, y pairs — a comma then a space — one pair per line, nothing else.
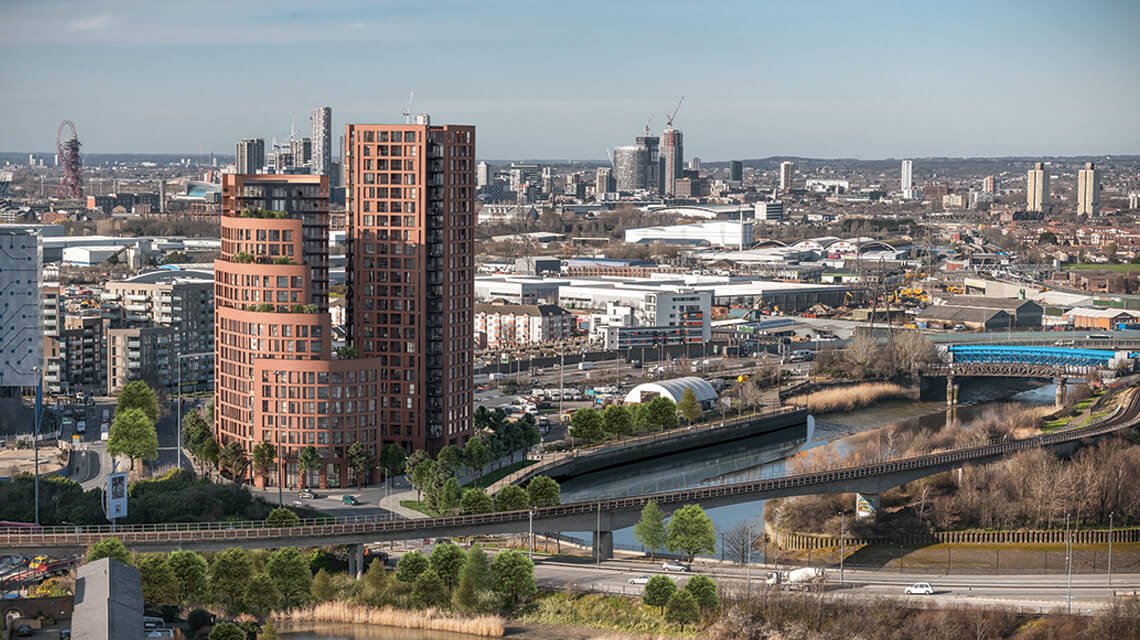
602, 516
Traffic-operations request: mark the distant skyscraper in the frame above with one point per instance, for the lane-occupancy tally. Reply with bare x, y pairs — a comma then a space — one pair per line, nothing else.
1088, 191
250, 154
482, 175
736, 170
631, 166
1037, 189
787, 175
653, 168
672, 149
906, 178
695, 164
991, 184
322, 140
604, 181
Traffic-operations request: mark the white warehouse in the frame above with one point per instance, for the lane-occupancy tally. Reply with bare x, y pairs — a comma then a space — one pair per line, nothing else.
716, 233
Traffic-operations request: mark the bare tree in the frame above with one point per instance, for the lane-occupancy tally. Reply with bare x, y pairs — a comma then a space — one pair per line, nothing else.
738, 540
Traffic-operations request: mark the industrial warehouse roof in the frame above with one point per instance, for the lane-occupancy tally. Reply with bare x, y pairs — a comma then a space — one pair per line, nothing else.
674, 389
983, 302
522, 309
951, 313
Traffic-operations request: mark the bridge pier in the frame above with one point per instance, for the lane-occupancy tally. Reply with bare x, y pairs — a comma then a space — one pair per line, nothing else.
603, 545
356, 560
951, 392
1060, 399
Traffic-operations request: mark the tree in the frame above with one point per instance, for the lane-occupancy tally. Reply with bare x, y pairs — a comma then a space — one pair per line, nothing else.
428, 590
682, 609
264, 457
308, 461
474, 502
209, 453
195, 433
737, 542
529, 435
322, 588
618, 420
392, 460
650, 530
450, 459
268, 632
422, 471
544, 491
586, 424
476, 455
108, 548
232, 460
375, 583
282, 517
159, 585
133, 435
261, 595
1047, 237
227, 631
358, 461
691, 531
136, 394
688, 406
477, 569
512, 498
703, 590
449, 496
658, 591
228, 576
512, 576
190, 573
410, 566
447, 561
290, 572
660, 413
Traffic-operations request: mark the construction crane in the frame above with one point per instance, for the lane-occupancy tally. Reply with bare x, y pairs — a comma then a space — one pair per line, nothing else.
408, 109
647, 123
669, 118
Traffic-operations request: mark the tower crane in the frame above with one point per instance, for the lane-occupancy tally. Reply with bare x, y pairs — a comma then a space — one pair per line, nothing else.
408, 109
647, 123
669, 118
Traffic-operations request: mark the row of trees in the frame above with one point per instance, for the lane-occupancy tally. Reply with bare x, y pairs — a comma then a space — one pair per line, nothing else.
681, 606
617, 421
466, 581
132, 432
866, 359
689, 530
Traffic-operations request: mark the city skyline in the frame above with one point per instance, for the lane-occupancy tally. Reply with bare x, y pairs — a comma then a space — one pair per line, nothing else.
905, 90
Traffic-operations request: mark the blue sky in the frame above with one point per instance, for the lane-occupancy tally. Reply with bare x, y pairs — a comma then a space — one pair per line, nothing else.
868, 79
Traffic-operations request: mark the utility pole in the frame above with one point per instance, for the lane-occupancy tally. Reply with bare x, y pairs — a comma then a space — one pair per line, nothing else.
748, 559
842, 543
1069, 564
1110, 549
530, 534
36, 436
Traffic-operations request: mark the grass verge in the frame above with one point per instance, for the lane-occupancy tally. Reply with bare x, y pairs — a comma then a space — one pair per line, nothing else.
431, 619
599, 611
422, 507
498, 474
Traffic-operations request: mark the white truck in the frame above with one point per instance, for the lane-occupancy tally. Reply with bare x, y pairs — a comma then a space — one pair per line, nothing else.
802, 578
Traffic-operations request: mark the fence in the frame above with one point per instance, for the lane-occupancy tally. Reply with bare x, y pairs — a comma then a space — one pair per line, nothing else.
804, 541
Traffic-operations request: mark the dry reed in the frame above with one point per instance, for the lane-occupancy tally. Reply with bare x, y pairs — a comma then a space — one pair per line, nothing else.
431, 619
848, 398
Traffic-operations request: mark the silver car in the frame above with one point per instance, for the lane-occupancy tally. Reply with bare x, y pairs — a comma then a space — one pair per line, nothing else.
674, 566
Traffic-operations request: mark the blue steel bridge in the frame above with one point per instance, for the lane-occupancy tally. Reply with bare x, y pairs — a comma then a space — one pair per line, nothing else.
1030, 355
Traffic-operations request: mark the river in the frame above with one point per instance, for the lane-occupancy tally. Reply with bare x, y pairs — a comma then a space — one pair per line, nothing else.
763, 456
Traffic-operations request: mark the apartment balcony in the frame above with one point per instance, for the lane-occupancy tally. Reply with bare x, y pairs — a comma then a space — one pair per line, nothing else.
137, 307
137, 317
109, 295
136, 297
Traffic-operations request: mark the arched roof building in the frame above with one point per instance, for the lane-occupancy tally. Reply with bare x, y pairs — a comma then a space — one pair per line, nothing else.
673, 389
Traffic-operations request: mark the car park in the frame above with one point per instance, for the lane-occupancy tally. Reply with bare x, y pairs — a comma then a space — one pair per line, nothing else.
920, 589
672, 565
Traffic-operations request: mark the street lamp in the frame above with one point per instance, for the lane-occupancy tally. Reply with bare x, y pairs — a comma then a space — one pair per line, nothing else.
1110, 549
842, 542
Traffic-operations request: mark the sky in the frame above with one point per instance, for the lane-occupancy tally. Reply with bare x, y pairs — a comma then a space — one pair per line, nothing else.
569, 80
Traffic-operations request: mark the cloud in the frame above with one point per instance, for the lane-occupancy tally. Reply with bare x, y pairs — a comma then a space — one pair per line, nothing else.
93, 23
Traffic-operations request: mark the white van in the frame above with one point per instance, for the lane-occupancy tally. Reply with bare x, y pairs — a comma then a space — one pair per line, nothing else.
585, 366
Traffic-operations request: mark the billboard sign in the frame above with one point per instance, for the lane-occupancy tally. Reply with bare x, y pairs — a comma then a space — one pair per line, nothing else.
866, 505
116, 496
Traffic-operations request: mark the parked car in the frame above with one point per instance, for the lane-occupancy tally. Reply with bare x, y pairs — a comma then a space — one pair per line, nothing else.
349, 500
920, 589
306, 493
671, 565
23, 631
644, 579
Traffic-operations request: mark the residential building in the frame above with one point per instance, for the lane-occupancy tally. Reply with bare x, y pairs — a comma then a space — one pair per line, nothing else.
672, 150
906, 178
20, 333
1037, 189
631, 165
787, 176
499, 325
604, 181
411, 269
991, 184
249, 155
1088, 191
276, 379
139, 353
955, 201
654, 169
695, 164
768, 211
736, 171
321, 119
482, 175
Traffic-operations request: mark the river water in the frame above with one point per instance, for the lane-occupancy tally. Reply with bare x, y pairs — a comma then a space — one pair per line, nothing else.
763, 456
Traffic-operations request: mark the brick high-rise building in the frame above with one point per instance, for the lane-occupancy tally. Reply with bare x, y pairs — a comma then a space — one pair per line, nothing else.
1037, 189
672, 150
1088, 190
276, 378
410, 274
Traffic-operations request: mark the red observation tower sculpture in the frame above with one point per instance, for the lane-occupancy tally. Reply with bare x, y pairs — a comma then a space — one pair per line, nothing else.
71, 185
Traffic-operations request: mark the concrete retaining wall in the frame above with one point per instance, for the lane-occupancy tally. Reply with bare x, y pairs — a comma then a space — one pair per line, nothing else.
803, 541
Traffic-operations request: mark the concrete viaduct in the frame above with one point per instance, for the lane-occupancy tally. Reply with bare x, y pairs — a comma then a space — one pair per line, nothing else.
602, 517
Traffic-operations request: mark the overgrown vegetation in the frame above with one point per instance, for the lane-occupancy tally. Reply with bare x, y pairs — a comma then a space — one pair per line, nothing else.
866, 359
847, 398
